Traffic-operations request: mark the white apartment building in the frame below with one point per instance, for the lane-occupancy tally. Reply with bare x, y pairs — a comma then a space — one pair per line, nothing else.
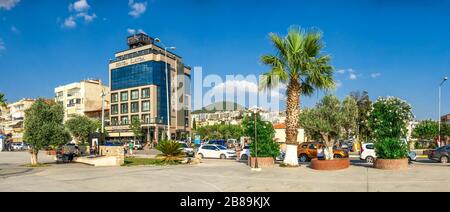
81, 98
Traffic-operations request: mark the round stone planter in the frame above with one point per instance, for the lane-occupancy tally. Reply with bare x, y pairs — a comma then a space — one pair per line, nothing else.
401, 164
51, 152
330, 165
262, 162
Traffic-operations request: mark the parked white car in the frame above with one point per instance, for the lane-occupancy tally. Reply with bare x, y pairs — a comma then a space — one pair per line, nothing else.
369, 155
245, 153
215, 151
19, 146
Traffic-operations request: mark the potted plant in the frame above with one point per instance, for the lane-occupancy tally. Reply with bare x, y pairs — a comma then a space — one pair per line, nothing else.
388, 120
52, 150
263, 148
392, 154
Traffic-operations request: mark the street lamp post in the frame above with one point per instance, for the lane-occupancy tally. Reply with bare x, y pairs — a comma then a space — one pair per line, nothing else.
103, 112
167, 85
439, 118
257, 168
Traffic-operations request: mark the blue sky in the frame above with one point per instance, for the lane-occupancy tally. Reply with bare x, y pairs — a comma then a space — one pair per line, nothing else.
398, 48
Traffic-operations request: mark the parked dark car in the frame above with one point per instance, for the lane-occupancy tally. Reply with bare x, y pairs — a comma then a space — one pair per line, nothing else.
218, 142
113, 143
441, 154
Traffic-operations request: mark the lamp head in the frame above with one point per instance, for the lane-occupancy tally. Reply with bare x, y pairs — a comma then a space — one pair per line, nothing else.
157, 40
445, 78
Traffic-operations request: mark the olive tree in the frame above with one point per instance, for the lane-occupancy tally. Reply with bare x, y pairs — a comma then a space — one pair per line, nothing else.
44, 127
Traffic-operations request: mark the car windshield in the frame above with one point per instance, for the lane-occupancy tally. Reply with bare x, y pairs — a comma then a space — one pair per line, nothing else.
184, 146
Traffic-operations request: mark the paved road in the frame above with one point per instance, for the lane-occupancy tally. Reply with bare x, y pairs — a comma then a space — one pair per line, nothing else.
216, 175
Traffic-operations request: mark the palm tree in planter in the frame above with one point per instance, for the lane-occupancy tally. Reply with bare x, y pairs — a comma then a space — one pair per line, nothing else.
298, 62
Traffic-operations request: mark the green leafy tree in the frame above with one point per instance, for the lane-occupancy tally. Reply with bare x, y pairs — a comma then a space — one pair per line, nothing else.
364, 132
44, 127
2, 100
136, 127
264, 135
298, 62
349, 116
326, 121
389, 120
426, 130
220, 131
80, 127
194, 124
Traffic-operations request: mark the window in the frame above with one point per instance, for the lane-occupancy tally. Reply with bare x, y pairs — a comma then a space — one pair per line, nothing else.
134, 94
124, 96
135, 117
114, 97
146, 118
124, 108
146, 93
145, 106
370, 146
114, 109
135, 107
124, 120
114, 121
312, 146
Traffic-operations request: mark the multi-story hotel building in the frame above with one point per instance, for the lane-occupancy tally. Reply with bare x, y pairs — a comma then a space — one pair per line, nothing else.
138, 91
82, 98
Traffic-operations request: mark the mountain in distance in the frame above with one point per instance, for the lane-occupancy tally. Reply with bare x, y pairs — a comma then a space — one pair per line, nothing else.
220, 106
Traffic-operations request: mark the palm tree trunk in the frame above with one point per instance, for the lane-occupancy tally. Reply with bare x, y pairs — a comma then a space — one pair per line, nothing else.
292, 122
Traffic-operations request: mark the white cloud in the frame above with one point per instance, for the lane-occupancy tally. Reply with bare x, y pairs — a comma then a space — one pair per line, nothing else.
70, 22
131, 31
339, 84
2, 45
87, 18
15, 30
79, 6
134, 31
243, 87
353, 76
79, 10
8, 4
342, 71
137, 8
375, 75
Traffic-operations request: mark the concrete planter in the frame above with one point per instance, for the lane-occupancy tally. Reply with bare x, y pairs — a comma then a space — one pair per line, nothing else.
262, 162
51, 152
330, 165
401, 164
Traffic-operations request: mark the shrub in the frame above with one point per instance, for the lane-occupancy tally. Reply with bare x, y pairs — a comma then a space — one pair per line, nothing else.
172, 152
391, 148
265, 133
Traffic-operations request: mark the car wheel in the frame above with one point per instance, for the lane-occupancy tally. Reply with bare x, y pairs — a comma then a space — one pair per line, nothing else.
200, 155
244, 157
338, 156
444, 159
370, 159
223, 157
304, 158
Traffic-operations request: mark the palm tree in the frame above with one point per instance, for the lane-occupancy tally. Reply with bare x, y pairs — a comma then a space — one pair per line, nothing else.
298, 62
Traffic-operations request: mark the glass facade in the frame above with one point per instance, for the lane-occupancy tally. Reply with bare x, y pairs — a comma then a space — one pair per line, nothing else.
143, 74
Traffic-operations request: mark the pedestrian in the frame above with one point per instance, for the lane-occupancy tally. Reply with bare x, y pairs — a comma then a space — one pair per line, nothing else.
131, 146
